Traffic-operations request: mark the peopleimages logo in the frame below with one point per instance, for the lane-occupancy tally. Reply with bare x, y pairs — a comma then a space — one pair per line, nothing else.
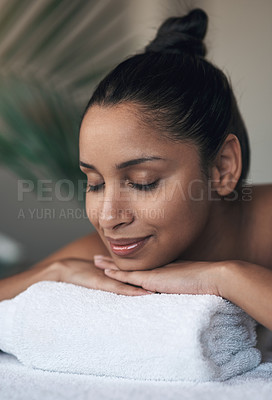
47, 189
65, 190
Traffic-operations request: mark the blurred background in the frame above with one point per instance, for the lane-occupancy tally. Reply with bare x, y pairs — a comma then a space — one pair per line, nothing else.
52, 54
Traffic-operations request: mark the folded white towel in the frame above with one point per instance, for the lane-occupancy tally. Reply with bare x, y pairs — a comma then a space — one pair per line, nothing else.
63, 327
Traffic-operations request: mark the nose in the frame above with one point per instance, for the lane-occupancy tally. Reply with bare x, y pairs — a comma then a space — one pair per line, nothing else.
114, 211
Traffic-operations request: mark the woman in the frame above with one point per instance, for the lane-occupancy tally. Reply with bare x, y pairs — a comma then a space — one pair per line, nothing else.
166, 154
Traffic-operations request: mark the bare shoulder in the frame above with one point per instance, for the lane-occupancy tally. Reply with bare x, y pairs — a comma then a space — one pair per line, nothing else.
259, 224
262, 204
263, 194
84, 248
87, 246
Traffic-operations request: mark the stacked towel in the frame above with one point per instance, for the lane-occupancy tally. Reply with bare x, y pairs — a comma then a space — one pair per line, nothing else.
63, 327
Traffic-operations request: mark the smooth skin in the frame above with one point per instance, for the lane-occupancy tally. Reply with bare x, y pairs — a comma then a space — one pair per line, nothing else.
202, 241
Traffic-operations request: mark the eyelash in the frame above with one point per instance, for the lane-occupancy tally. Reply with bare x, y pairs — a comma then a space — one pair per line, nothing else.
136, 186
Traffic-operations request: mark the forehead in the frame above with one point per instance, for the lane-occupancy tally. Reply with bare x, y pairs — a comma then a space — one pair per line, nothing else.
122, 122
117, 133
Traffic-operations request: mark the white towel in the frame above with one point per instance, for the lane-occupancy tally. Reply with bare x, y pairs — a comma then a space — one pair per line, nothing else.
63, 327
18, 382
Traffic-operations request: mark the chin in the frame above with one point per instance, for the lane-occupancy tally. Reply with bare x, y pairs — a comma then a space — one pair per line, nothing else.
135, 265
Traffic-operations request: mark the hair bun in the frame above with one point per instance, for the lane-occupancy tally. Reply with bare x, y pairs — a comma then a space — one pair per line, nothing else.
182, 35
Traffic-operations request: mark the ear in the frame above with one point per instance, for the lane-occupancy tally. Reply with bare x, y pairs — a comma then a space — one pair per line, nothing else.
227, 167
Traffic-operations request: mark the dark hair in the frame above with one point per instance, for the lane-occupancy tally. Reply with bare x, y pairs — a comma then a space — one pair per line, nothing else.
184, 96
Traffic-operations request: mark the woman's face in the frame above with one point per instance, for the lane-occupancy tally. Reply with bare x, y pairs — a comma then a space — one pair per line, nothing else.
172, 213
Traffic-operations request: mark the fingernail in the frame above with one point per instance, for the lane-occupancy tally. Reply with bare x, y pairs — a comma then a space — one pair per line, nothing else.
98, 262
109, 270
150, 292
98, 257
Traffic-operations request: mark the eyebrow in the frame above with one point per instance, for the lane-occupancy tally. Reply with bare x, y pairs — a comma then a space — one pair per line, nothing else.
125, 163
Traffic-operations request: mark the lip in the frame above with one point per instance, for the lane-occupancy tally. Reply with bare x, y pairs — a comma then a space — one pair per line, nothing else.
124, 241
134, 245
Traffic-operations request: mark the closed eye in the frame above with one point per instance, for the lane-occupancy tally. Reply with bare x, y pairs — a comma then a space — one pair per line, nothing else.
137, 186
94, 188
150, 186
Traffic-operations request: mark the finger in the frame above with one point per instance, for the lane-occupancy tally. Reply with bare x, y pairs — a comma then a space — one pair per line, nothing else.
102, 264
133, 277
121, 288
101, 257
106, 258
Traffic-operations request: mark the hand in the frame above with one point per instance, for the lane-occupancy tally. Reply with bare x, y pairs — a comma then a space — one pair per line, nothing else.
187, 277
84, 273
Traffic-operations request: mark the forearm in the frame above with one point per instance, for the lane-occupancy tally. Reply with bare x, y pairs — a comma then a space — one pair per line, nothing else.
11, 286
249, 286
82, 248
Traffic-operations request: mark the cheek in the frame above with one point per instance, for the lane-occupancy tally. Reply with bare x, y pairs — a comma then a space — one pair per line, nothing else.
92, 210
174, 203
186, 211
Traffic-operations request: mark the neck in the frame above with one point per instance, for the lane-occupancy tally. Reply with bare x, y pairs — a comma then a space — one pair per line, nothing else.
220, 238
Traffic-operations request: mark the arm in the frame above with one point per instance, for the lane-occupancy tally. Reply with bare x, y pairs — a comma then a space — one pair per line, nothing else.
247, 285
13, 285
83, 248
250, 287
